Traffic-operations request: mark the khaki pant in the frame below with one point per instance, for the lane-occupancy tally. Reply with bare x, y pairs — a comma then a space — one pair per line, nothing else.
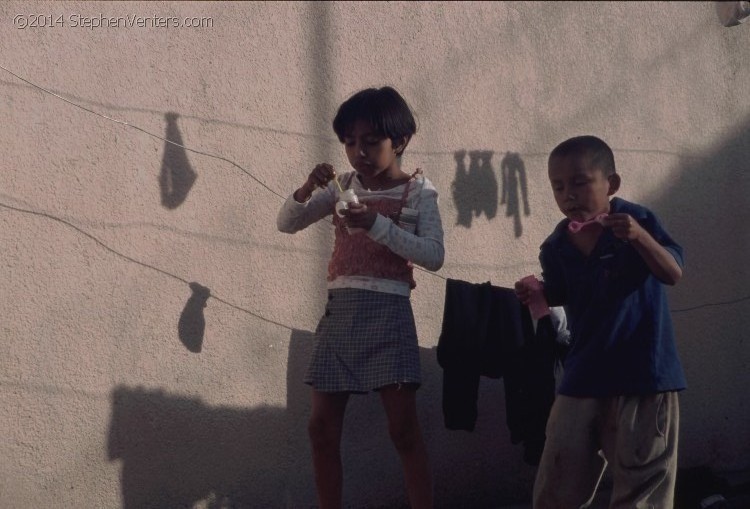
637, 437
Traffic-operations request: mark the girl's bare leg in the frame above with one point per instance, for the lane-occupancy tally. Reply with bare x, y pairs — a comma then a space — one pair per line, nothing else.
400, 406
324, 428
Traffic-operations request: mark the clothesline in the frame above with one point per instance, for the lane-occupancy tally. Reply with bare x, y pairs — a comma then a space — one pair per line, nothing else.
248, 173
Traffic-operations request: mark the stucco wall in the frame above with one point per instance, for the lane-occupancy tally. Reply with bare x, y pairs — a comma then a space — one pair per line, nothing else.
119, 389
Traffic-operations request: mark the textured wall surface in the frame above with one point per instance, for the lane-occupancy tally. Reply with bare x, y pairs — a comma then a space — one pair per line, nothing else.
156, 326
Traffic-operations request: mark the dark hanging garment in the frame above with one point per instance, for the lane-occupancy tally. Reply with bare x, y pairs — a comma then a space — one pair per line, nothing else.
486, 331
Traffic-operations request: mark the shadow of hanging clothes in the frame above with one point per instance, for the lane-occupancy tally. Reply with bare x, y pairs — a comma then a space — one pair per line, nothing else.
475, 190
515, 189
484, 178
460, 190
192, 323
177, 176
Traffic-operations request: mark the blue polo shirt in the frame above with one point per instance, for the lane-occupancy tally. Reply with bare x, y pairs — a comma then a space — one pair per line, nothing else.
620, 324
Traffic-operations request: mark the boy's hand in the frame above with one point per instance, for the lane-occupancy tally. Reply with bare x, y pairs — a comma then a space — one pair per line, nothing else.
660, 262
357, 215
624, 226
523, 292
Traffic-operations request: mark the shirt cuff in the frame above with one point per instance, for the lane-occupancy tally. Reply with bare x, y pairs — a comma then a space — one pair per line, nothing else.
380, 227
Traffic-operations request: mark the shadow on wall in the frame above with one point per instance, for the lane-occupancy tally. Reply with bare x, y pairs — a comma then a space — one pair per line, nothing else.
192, 323
177, 451
177, 176
707, 210
475, 191
515, 189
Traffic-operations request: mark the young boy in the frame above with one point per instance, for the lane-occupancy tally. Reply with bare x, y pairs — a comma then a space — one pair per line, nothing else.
622, 374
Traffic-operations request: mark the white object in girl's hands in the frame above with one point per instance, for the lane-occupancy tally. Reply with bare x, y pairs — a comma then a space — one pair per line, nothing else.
345, 198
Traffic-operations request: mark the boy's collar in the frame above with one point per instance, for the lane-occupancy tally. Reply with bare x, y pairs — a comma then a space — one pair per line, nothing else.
615, 205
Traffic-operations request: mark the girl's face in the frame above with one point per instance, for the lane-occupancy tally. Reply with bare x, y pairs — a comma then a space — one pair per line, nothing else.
581, 191
370, 153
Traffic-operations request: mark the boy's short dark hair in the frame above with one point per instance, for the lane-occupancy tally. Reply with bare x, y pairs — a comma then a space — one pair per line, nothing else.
598, 152
383, 108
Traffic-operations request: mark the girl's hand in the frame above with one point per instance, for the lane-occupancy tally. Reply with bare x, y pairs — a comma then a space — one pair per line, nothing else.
357, 215
624, 226
320, 176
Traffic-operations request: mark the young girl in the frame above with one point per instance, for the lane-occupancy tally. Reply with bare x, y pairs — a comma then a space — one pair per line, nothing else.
367, 338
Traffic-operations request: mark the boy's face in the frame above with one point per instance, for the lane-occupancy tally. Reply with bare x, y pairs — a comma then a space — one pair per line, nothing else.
581, 191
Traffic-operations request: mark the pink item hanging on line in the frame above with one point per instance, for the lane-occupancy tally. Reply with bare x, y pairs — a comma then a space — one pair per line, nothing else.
576, 226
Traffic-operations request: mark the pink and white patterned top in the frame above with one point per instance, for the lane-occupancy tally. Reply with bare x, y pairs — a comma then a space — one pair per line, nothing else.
381, 259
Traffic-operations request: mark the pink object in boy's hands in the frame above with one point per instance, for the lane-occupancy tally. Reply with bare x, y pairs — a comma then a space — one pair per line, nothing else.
537, 304
576, 226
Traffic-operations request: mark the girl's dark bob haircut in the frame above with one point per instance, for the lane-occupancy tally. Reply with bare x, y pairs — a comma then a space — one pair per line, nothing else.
385, 110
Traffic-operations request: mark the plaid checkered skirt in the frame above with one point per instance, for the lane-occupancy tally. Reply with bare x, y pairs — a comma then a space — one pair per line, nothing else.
364, 341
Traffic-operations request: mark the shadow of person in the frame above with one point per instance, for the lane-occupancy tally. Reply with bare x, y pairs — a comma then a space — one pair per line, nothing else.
177, 451
515, 189
192, 324
177, 176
